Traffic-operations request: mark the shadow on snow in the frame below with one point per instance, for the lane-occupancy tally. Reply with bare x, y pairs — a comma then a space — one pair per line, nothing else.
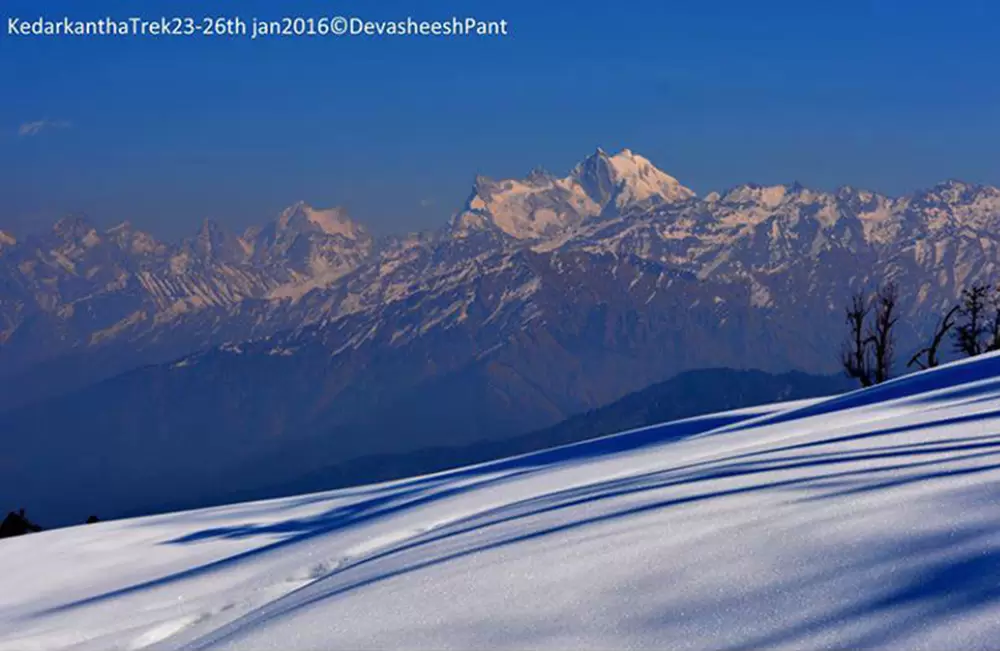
941, 587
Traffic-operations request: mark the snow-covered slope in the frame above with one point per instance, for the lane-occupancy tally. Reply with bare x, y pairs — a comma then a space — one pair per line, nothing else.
868, 519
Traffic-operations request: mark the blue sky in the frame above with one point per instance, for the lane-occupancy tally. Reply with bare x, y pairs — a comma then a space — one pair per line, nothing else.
883, 94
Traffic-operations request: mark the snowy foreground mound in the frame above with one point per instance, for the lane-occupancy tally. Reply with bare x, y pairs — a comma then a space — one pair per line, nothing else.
869, 519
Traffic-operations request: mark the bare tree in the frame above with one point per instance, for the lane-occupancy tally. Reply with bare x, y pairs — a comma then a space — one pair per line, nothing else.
855, 356
973, 329
994, 330
880, 335
930, 352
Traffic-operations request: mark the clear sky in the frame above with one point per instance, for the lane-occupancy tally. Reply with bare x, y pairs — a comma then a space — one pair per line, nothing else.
886, 94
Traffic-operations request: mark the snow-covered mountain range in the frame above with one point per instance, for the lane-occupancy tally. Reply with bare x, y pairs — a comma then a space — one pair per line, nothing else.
542, 298
866, 520
315, 344
89, 303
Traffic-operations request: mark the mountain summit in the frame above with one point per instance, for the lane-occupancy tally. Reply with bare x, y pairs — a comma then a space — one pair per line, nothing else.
542, 206
6, 240
627, 179
331, 221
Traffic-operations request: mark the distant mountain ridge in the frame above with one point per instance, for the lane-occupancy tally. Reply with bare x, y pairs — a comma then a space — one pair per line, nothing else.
692, 393
543, 298
177, 444
79, 304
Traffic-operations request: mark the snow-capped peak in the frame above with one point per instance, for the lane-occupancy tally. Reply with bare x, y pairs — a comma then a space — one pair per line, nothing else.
6, 239
215, 242
597, 176
542, 205
768, 196
953, 191
73, 227
641, 180
332, 221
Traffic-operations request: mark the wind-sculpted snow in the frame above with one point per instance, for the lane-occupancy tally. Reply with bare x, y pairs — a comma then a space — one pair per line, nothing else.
857, 521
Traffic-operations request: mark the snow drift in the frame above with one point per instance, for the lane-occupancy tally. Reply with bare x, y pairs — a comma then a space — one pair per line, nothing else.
864, 520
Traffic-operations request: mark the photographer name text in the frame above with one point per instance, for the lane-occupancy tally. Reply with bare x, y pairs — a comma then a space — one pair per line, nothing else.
255, 28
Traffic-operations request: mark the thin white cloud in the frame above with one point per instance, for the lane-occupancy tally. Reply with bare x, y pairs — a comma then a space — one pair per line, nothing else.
29, 129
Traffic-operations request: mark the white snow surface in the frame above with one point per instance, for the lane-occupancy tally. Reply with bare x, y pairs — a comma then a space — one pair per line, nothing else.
864, 520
